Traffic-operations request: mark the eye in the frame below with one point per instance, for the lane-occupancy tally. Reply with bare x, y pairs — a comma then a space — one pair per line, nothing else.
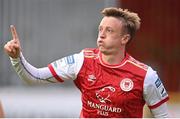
109, 30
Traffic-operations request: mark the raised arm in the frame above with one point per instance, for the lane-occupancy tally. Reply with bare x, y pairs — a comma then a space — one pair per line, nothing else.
13, 47
58, 71
25, 70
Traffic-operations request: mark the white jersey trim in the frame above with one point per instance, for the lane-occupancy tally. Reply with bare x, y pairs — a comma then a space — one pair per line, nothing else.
154, 92
68, 67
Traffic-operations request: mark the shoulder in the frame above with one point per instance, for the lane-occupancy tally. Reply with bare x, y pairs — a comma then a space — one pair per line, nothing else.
151, 77
137, 64
154, 91
90, 52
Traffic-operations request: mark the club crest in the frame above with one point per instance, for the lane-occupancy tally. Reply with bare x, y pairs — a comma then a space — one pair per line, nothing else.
126, 84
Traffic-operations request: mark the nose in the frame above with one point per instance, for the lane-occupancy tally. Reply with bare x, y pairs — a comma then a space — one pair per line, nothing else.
101, 36
100, 39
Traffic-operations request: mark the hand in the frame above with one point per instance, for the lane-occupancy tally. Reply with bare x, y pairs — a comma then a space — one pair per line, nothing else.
13, 47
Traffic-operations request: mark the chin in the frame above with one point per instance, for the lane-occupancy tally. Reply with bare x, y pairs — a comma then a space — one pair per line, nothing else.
103, 51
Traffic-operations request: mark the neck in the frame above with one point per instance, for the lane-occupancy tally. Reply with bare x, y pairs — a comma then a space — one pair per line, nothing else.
114, 58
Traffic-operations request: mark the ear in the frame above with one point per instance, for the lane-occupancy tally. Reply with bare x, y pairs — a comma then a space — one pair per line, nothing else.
125, 39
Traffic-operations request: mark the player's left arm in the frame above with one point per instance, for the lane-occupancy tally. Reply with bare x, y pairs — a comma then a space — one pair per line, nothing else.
155, 95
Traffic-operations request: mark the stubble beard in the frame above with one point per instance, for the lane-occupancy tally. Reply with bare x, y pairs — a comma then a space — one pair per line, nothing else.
106, 50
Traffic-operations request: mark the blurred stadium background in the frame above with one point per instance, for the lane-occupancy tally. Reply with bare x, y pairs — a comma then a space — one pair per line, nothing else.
51, 29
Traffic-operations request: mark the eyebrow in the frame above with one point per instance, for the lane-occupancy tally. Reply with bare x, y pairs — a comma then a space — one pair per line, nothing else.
105, 26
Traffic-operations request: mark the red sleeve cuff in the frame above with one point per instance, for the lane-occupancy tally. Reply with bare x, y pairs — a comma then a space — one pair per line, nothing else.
159, 103
54, 73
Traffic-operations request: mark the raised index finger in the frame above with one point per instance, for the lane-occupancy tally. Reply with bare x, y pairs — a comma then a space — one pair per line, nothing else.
14, 33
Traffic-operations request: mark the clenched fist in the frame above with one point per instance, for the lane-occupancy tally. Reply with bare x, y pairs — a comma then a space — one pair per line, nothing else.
13, 47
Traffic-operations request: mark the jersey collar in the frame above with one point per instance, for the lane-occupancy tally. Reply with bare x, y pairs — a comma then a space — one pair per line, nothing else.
113, 65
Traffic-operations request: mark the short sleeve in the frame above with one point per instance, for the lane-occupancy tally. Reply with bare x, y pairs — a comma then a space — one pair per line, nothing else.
67, 67
154, 92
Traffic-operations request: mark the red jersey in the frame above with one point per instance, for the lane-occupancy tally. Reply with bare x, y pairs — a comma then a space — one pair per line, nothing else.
118, 91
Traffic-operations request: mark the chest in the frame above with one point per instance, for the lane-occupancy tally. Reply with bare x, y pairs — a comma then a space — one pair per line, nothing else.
114, 86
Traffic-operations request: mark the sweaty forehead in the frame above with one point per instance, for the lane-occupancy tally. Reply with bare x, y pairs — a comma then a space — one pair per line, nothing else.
111, 22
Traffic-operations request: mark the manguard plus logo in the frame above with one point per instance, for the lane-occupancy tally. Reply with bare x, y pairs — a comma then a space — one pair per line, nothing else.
104, 94
104, 108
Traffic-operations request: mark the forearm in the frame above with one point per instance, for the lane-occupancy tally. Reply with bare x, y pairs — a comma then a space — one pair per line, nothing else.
29, 73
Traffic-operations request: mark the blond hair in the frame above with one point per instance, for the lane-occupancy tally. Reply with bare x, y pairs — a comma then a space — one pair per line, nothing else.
130, 20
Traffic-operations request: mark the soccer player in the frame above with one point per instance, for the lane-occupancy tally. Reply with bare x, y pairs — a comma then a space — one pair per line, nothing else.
1, 111
112, 82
